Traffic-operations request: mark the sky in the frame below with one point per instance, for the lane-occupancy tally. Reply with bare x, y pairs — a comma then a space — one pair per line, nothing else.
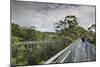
44, 15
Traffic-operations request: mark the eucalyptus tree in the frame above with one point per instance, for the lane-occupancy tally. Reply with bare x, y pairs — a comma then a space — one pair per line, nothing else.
68, 21
92, 28
69, 28
71, 20
91, 34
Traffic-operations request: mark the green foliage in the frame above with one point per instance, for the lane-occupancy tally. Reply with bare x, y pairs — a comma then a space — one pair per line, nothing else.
69, 28
91, 37
28, 33
38, 54
23, 32
67, 31
16, 31
22, 55
91, 34
15, 39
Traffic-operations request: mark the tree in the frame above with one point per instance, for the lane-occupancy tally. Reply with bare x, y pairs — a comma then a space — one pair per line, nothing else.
71, 20
68, 21
91, 34
92, 27
25, 33
29, 33
16, 30
69, 29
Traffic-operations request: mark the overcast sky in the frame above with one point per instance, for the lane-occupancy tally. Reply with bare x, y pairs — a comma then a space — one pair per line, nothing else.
44, 15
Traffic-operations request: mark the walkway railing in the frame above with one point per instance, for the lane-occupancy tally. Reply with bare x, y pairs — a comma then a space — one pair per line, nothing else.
72, 53
69, 54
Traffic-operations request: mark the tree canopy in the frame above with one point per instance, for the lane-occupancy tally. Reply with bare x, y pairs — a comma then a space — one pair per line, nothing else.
67, 31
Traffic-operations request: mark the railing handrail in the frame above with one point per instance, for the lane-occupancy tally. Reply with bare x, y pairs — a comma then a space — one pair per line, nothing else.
51, 60
57, 55
92, 45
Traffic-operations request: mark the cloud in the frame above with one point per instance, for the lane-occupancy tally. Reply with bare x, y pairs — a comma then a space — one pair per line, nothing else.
44, 15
